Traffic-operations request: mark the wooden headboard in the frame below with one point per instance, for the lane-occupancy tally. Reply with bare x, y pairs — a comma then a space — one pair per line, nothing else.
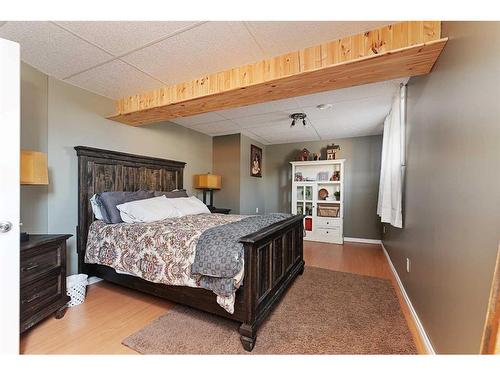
103, 170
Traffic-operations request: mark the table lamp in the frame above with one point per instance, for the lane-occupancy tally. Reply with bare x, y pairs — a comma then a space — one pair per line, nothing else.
208, 183
34, 171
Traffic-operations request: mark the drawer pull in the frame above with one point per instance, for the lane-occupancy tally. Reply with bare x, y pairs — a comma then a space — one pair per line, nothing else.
34, 297
31, 267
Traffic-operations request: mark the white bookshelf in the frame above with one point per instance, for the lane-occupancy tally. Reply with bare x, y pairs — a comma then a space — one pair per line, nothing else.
324, 217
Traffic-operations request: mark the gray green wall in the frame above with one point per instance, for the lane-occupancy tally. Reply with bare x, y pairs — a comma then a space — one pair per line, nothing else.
240, 192
226, 163
76, 117
362, 171
252, 189
452, 194
34, 98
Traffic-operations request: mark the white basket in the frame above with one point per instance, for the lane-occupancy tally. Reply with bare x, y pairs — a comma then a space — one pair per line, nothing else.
76, 286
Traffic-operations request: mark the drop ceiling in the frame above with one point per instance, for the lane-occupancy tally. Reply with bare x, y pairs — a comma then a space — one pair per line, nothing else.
121, 58
356, 111
117, 59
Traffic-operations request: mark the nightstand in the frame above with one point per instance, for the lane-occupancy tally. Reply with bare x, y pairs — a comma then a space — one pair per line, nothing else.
43, 278
216, 210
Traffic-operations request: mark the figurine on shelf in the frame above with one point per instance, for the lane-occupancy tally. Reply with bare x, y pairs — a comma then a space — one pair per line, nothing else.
331, 150
335, 176
303, 155
316, 156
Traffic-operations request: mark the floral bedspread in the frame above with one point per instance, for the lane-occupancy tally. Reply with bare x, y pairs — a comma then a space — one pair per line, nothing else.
160, 252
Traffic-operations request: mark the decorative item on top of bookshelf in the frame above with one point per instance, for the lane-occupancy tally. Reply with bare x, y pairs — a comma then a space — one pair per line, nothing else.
322, 176
303, 155
331, 151
316, 156
337, 195
255, 161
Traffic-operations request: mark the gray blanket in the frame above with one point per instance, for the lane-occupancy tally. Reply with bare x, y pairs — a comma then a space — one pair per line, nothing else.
219, 254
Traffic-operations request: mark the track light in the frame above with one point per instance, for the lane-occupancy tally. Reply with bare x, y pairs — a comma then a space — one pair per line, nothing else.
298, 116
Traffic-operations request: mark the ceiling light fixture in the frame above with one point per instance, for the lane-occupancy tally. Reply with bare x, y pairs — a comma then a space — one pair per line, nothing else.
298, 116
324, 106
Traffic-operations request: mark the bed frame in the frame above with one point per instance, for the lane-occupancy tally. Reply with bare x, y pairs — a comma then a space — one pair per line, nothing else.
273, 255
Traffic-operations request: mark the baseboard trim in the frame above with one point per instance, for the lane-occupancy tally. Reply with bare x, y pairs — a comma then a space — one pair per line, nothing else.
420, 327
362, 240
93, 279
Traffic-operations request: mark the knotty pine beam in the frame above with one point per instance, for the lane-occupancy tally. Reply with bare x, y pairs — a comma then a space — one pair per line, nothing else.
400, 50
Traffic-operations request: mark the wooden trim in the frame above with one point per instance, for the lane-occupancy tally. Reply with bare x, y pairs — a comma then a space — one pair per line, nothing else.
490, 343
394, 51
362, 240
424, 340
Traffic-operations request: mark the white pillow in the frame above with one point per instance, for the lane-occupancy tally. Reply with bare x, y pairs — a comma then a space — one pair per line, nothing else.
189, 206
96, 209
147, 210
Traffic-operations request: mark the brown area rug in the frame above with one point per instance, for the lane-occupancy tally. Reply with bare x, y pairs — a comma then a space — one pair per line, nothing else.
324, 312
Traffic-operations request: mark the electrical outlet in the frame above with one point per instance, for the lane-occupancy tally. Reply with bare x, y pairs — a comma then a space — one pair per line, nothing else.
408, 264
256, 210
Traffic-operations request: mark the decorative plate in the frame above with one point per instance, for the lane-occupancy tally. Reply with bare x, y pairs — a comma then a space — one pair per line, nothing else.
322, 194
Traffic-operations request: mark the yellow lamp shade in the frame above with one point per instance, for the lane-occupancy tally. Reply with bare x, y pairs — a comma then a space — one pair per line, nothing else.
34, 169
207, 181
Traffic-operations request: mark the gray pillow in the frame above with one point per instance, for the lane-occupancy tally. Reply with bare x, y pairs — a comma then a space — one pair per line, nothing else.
180, 193
110, 199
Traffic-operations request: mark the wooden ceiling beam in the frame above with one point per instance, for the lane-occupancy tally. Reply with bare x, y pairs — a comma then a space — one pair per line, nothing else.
400, 50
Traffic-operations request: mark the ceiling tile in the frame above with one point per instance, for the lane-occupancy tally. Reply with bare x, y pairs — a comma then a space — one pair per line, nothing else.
51, 49
281, 132
118, 37
209, 48
216, 127
353, 110
277, 37
198, 119
265, 119
257, 109
386, 88
114, 80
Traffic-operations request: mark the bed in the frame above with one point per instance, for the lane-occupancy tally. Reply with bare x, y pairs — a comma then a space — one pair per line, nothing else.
273, 256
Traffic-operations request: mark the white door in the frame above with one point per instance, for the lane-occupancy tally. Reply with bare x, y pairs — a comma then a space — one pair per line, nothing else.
9, 196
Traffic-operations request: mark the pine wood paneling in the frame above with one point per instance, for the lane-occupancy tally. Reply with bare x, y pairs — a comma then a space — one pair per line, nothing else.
399, 50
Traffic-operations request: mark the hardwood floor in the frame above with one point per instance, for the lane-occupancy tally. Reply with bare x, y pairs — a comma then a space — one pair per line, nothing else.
111, 313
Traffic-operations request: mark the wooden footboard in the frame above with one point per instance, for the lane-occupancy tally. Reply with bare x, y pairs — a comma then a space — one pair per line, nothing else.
273, 258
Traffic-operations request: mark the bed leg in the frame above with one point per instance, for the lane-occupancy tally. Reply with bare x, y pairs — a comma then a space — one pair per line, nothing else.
301, 271
248, 337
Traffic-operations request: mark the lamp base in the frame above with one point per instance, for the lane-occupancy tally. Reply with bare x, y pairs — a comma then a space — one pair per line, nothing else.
24, 237
210, 194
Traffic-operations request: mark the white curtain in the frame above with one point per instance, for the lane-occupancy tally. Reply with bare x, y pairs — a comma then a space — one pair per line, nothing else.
391, 174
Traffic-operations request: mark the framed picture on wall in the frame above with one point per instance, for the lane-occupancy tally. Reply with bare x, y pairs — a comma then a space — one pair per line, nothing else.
255, 161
